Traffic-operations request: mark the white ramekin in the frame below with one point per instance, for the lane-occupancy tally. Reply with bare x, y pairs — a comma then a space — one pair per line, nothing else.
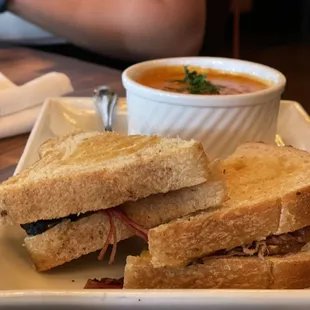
220, 122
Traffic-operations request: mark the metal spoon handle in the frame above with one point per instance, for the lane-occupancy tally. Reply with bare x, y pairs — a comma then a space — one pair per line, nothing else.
105, 100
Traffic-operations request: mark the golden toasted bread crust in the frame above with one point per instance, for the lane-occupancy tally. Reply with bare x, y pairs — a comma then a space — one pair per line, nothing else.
282, 272
269, 189
295, 211
70, 240
161, 208
178, 242
93, 171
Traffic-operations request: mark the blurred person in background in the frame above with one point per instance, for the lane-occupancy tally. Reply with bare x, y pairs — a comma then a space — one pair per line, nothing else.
131, 30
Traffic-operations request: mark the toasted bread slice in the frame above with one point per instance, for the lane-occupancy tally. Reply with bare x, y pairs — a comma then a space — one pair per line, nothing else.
93, 171
269, 189
70, 240
290, 271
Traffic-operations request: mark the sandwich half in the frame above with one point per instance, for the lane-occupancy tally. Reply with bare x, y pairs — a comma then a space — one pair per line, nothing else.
92, 171
258, 239
67, 202
72, 238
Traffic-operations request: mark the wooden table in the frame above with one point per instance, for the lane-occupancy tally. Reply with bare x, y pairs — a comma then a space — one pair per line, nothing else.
21, 65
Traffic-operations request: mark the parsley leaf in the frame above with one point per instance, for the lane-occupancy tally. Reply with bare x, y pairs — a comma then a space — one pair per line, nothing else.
195, 84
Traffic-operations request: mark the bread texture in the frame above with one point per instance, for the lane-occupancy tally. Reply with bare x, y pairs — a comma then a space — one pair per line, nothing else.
290, 271
93, 171
69, 240
269, 190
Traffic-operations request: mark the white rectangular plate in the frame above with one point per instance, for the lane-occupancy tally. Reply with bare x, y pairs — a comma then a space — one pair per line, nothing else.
20, 284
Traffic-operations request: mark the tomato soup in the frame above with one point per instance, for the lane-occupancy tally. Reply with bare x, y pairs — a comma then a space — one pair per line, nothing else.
199, 81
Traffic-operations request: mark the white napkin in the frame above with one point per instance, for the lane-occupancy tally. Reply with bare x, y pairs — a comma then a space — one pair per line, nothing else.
20, 105
5, 82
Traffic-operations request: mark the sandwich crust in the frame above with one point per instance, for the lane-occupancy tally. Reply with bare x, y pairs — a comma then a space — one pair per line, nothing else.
180, 241
290, 271
70, 240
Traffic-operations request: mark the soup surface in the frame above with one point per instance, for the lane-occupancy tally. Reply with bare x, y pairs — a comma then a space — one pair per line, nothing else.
201, 81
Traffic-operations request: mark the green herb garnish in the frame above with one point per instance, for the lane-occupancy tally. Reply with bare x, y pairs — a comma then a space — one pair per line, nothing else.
195, 84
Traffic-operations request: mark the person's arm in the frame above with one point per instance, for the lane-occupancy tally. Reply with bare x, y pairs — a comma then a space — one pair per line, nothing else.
128, 29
